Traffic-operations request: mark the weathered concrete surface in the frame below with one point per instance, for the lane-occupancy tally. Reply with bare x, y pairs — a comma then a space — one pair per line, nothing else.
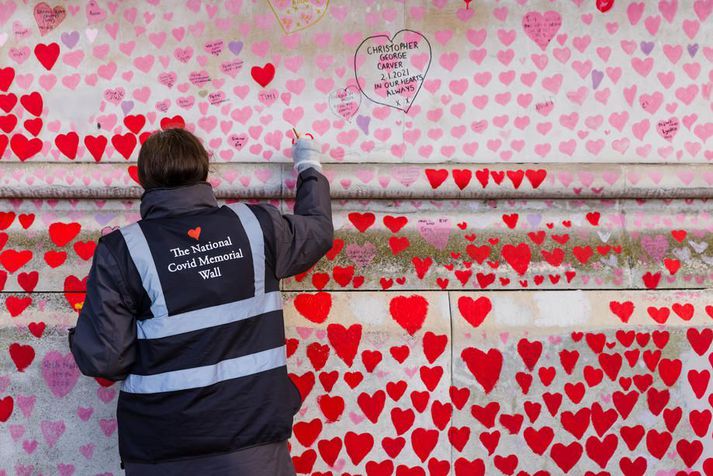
381, 181
509, 244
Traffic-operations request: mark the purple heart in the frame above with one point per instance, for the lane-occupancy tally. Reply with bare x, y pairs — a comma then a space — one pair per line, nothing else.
70, 39
127, 106
534, 220
693, 49
647, 46
236, 47
363, 123
597, 77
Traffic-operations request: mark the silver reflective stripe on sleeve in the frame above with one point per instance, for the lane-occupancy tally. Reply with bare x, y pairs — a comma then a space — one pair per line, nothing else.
206, 317
207, 375
257, 245
142, 258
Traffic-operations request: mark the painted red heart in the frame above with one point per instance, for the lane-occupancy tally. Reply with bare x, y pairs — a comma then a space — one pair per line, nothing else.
515, 177
371, 359
623, 310
372, 405
423, 441
332, 406
175, 121
304, 383
7, 74
566, 456
85, 249
395, 390
305, 462
358, 445
33, 103
604, 6
485, 366
16, 305
436, 177
21, 355
402, 419
658, 443
337, 246
53, 258
307, 432
409, 312
395, 223
12, 260
431, 376
700, 340
329, 449
33, 126
263, 75
25, 148
601, 451
67, 144
462, 177
362, 221
135, 122
62, 233
474, 310
96, 146
518, 257
28, 281
421, 265
314, 307
343, 274
536, 177
47, 54
529, 352
6, 406
75, 291
124, 144
398, 244
345, 341
8, 123
317, 354
434, 345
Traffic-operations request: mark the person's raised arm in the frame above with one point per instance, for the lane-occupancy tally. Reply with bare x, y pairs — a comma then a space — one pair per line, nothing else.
302, 238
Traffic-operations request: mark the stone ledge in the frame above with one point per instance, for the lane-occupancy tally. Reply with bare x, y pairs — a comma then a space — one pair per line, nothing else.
381, 181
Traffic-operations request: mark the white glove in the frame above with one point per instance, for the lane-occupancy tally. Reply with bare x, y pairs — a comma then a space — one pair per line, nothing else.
305, 154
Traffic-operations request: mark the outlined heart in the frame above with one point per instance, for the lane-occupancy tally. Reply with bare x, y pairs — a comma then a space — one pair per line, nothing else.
295, 16
391, 71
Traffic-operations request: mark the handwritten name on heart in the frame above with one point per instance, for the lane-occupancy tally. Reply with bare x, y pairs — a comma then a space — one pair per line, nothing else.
542, 27
391, 71
60, 372
345, 102
48, 18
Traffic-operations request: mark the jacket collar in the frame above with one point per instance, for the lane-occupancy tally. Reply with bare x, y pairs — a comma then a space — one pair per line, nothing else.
168, 201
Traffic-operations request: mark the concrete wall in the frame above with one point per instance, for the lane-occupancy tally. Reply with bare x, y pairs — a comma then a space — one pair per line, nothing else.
521, 275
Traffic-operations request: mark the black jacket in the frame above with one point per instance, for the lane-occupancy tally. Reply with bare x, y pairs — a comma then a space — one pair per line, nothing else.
104, 340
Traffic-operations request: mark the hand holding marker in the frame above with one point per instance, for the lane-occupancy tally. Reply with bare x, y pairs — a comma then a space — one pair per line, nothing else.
305, 153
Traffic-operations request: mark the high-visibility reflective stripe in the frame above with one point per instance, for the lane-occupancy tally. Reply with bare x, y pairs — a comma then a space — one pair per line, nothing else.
141, 255
207, 375
206, 317
257, 246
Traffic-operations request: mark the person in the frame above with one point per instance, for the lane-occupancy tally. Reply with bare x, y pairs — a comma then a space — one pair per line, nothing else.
184, 307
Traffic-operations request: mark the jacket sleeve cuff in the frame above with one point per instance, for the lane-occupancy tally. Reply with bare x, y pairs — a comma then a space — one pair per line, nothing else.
310, 173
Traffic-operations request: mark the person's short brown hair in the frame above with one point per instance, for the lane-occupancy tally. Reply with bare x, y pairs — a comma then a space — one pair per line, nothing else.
171, 158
